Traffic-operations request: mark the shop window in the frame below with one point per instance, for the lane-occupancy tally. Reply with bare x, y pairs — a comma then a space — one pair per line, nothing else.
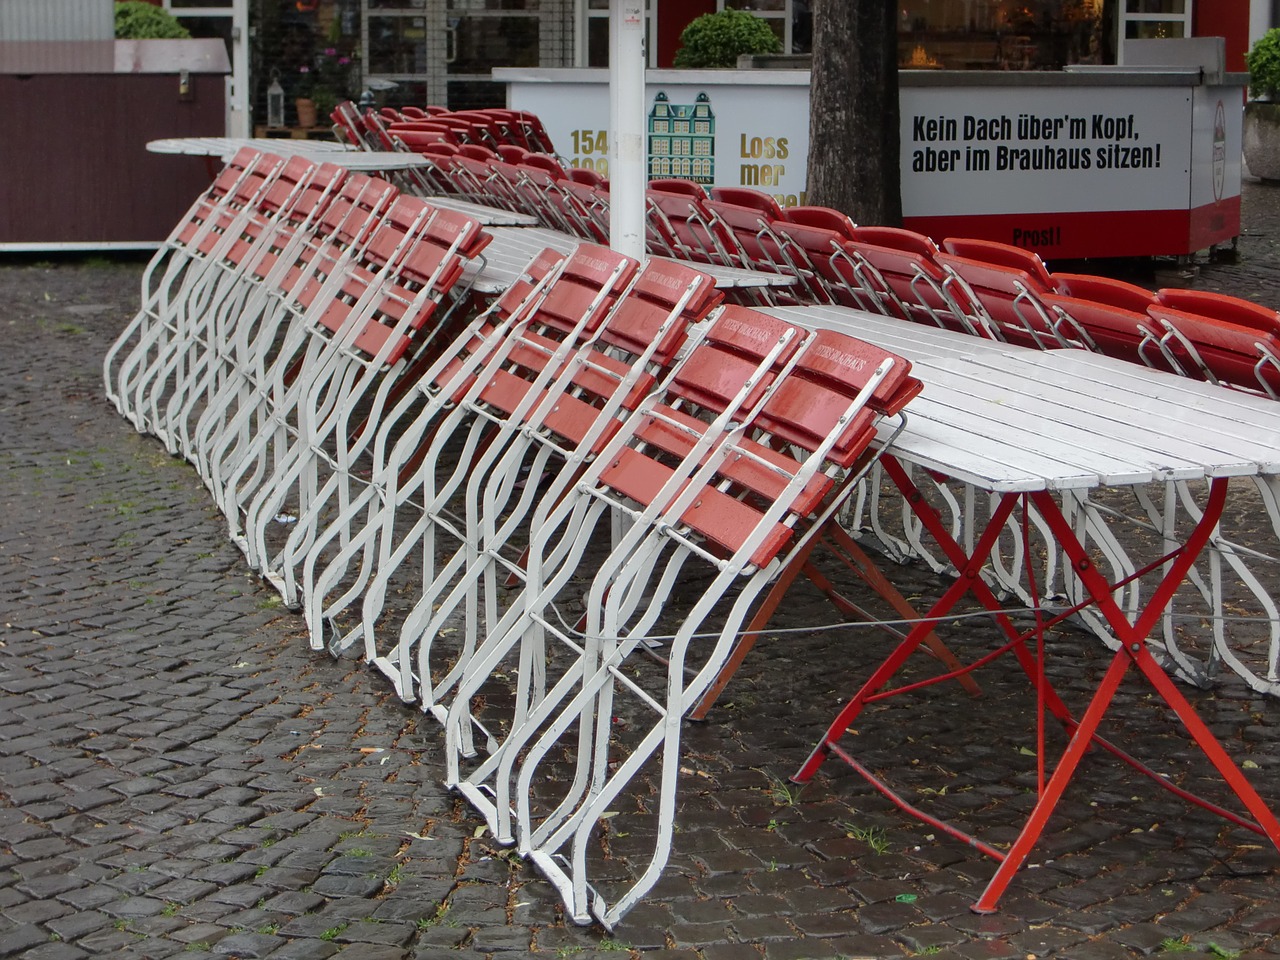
996, 35
397, 45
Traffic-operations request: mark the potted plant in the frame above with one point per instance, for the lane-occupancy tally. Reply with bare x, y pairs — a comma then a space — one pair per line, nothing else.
718, 39
1262, 113
321, 85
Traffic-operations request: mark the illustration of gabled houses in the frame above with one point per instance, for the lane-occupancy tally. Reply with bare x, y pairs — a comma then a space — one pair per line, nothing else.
682, 138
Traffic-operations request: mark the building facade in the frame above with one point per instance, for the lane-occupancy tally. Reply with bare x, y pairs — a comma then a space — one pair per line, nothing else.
441, 51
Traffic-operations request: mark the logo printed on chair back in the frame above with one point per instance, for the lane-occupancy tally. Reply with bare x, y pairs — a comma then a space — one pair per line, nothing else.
746, 330
839, 357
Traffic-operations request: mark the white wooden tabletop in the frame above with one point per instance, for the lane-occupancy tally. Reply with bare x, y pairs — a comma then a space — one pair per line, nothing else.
224, 146
1006, 418
486, 215
351, 159
513, 248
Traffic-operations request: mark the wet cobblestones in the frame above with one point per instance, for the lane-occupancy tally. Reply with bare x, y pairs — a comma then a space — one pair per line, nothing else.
181, 776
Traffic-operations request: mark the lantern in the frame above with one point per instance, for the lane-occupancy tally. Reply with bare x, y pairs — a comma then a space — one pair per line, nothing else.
275, 102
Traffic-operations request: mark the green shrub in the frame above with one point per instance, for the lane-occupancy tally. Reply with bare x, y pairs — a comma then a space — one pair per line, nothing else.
718, 39
1264, 65
136, 20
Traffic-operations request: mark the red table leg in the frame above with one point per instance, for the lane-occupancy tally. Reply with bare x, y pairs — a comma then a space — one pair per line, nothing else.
970, 576
1083, 733
1133, 652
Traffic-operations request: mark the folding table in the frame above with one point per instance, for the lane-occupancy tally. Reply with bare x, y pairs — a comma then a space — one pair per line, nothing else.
1037, 429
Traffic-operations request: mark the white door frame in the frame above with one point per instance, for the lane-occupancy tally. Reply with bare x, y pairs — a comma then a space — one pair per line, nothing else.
239, 122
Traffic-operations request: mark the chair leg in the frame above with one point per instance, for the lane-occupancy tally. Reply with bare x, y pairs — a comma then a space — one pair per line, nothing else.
846, 549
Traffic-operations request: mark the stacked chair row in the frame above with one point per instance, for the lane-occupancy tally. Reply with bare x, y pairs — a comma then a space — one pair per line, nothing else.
1006, 294
730, 227
979, 287
413, 128
278, 319
502, 508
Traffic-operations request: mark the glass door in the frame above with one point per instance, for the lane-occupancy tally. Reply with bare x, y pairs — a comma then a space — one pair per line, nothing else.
441, 51
1153, 20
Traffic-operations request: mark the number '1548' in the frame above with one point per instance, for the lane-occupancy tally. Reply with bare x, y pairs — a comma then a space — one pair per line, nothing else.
590, 141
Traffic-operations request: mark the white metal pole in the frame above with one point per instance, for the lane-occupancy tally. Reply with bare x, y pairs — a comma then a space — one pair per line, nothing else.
239, 116
627, 121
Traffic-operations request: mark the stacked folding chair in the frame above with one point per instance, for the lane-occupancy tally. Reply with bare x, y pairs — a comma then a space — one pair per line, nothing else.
420, 463
533, 433
543, 182
813, 241
680, 225
491, 127
271, 334
1005, 284
207, 229
745, 450
353, 534
1109, 317
895, 272
274, 334
386, 311
408, 328
197, 363
748, 216
1220, 339
586, 196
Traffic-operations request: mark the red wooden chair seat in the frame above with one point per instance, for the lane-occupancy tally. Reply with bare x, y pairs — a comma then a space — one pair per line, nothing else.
1220, 306
1117, 293
909, 282
1009, 295
1232, 354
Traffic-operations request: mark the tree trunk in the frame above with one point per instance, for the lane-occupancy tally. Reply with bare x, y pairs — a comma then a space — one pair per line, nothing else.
853, 110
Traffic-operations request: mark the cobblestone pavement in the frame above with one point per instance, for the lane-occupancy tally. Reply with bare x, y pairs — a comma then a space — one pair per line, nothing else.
180, 775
